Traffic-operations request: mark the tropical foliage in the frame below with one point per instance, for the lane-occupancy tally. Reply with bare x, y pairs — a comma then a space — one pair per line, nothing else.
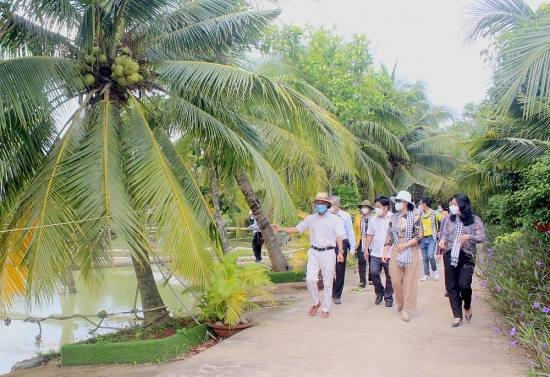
397, 127
130, 77
232, 289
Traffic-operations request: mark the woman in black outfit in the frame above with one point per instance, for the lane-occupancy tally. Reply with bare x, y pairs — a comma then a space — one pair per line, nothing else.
459, 236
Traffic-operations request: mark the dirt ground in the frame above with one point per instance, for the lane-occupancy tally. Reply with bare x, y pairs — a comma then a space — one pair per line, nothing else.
284, 294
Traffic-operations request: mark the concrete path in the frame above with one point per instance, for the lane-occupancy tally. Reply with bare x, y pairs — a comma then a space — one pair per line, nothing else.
363, 339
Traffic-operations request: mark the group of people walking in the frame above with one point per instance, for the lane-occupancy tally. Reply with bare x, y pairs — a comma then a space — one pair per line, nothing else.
392, 242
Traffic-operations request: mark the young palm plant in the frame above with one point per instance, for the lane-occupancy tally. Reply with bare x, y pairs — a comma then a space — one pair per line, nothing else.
112, 167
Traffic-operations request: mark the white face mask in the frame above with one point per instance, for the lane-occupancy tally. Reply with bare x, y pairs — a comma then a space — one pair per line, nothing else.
398, 206
330, 210
454, 210
379, 211
365, 210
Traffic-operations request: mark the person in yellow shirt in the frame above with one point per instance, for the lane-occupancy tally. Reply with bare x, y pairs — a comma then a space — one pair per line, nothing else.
431, 220
360, 226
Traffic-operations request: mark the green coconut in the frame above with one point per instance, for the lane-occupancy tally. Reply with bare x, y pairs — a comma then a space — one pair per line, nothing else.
125, 51
89, 79
131, 68
122, 81
125, 60
117, 70
90, 59
96, 50
133, 78
102, 59
118, 60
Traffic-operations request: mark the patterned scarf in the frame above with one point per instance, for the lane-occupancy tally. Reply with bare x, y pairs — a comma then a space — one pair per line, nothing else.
455, 251
364, 225
404, 258
431, 214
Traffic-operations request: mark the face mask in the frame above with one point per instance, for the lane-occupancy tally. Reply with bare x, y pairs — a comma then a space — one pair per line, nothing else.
398, 206
379, 211
321, 208
365, 210
331, 210
454, 210
251, 217
440, 210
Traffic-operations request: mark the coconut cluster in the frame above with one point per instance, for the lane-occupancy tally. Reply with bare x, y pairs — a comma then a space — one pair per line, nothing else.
95, 58
126, 71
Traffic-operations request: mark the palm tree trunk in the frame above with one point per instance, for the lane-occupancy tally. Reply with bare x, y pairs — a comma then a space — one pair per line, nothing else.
331, 177
278, 261
215, 195
150, 296
69, 280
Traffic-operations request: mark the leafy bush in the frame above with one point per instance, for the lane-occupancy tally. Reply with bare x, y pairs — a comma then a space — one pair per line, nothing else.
349, 196
231, 288
533, 197
516, 271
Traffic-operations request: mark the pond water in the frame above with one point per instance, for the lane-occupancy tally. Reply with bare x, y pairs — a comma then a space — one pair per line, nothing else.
17, 341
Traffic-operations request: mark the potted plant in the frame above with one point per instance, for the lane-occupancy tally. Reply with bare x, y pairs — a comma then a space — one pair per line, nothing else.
230, 292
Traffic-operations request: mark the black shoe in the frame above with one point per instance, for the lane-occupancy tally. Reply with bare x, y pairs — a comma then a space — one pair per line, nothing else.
370, 282
362, 285
456, 324
389, 304
378, 300
337, 301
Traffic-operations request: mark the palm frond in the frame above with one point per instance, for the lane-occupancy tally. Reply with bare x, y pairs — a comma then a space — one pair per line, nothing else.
35, 85
45, 222
512, 152
154, 185
205, 37
24, 37
372, 131
489, 17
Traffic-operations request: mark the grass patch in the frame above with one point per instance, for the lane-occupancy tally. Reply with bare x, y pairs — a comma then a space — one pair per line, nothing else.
286, 276
132, 352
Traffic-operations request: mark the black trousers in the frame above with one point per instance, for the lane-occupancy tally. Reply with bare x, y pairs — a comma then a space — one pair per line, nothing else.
376, 266
338, 286
458, 281
257, 246
362, 264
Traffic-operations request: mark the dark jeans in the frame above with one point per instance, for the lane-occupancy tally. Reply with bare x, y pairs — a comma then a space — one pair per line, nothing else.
362, 263
458, 281
376, 266
338, 286
257, 246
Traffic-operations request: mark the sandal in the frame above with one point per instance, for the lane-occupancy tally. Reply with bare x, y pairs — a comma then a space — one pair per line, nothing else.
324, 315
314, 309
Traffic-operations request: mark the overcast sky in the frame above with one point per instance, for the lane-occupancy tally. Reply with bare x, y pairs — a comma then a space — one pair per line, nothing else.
424, 36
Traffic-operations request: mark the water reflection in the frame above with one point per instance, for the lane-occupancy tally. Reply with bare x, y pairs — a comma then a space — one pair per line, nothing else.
17, 341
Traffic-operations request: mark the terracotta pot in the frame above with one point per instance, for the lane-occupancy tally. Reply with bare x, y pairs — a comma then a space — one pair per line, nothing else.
224, 331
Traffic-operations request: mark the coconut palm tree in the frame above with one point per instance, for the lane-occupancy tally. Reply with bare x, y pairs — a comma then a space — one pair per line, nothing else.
406, 127
112, 169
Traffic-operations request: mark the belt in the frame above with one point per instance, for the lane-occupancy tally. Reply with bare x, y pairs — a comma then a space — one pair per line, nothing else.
322, 248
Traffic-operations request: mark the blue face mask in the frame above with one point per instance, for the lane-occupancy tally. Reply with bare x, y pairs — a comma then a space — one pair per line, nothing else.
321, 208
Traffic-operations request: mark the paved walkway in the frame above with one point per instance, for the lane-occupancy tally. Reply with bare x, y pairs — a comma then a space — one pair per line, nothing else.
363, 339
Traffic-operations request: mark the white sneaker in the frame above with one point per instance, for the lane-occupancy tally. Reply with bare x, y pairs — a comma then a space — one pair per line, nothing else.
425, 278
436, 275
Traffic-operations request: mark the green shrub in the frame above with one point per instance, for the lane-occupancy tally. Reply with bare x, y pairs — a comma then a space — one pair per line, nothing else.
132, 352
286, 276
516, 271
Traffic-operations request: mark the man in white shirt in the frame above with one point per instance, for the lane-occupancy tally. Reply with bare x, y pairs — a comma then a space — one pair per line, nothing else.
349, 244
325, 232
376, 238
